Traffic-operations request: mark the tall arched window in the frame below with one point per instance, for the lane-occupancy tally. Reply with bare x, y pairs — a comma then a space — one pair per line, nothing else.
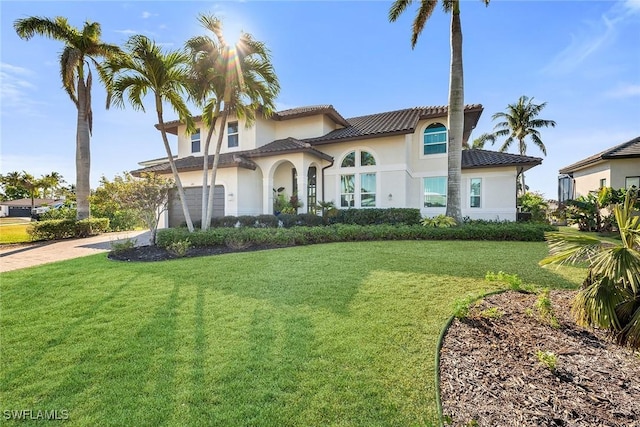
435, 139
358, 187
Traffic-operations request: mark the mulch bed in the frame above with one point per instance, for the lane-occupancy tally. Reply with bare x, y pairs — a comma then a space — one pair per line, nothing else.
491, 375
155, 253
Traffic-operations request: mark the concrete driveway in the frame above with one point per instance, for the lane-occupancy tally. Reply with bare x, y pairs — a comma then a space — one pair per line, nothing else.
14, 257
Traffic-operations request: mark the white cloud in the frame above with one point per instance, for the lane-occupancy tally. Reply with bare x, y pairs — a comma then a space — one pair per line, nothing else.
627, 90
146, 15
16, 91
127, 32
593, 37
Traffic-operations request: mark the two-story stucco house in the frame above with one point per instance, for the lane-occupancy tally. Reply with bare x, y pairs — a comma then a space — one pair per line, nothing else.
617, 167
390, 159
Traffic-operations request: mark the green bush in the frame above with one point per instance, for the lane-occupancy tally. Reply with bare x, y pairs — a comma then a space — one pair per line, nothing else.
266, 221
302, 235
309, 220
394, 216
287, 220
247, 221
56, 229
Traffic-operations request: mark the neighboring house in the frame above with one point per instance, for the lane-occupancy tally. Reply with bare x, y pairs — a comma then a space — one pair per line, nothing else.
617, 167
22, 207
391, 159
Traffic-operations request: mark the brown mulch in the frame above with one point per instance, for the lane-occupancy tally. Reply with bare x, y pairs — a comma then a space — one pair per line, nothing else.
156, 253
491, 375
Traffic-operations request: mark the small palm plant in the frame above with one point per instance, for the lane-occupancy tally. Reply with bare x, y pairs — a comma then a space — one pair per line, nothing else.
610, 295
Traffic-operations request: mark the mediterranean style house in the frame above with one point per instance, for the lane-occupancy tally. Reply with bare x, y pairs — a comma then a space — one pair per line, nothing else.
382, 160
617, 167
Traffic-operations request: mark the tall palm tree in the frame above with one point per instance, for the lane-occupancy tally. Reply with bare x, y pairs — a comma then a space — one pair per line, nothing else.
520, 122
146, 68
228, 80
80, 50
456, 90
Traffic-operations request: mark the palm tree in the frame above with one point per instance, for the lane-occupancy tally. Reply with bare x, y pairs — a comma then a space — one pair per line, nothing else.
25, 182
146, 68
52, 182
81, 48
610, 296
519, 123
456, 90
228, 79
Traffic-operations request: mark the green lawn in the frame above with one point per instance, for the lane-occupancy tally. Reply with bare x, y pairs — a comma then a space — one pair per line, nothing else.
337, 334
14, 232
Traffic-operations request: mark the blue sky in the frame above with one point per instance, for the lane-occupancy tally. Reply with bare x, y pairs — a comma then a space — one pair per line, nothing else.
581, 57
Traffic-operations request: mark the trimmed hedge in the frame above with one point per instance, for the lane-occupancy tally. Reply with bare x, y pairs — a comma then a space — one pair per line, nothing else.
302, 235
56, 229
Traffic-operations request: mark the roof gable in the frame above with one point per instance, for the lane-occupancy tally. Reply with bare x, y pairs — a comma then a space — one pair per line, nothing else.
473, 159
626, 150
394, 123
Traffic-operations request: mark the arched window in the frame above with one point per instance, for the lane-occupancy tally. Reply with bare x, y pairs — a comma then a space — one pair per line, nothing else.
435, 139
358, 190
349, 160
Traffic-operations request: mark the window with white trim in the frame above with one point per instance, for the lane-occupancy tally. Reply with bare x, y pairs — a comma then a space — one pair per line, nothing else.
232, 134
195, 142
632, 181
474, 192
435, 139
435, 192
358, 187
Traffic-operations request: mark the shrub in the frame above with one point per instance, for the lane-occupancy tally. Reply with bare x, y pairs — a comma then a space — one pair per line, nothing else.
394, 216
287, 220
68, 228
309, 220
267, 221
124, 245
440, 221
247, 221
179, 248
547, 359
545, 311
514, 282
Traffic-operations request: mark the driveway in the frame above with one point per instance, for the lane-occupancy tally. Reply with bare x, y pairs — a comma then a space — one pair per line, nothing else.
15, 257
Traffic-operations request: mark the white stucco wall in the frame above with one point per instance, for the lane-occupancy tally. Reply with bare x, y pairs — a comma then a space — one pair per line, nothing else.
301, 128
623, 168
249, 201
588, 179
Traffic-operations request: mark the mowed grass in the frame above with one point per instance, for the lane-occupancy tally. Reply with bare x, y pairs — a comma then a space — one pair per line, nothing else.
338, 334
14, 231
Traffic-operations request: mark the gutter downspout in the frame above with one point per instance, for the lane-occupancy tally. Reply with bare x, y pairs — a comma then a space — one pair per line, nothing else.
326, 167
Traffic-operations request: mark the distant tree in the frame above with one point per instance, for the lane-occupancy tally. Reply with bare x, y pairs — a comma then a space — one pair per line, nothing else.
147, 196
81, 48
24, 183
51, 184
456, 90
519, 123
228, 79
146, 68
11, 190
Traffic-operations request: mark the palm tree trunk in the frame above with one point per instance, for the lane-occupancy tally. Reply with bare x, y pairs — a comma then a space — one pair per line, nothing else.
456, 118
83, 155
174, 170
216, 160
205, 172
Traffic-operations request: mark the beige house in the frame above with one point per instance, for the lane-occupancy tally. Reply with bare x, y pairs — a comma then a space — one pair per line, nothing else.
383, 160
617, 167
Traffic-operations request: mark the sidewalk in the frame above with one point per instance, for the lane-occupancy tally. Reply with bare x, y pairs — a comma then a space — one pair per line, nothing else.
31, 254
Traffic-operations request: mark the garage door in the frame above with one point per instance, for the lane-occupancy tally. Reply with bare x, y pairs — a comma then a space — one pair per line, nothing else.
17, 211
193, 196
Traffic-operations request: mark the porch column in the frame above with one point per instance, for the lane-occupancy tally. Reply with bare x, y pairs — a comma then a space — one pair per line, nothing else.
303, 180
267, 192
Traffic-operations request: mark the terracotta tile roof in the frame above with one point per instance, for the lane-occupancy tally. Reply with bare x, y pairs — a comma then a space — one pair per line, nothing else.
311, 110
191, 163
472, 159
238, 158
282, 146
627, 150
394, 123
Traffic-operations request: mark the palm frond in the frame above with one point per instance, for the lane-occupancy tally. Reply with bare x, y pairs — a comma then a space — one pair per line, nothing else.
596, 305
